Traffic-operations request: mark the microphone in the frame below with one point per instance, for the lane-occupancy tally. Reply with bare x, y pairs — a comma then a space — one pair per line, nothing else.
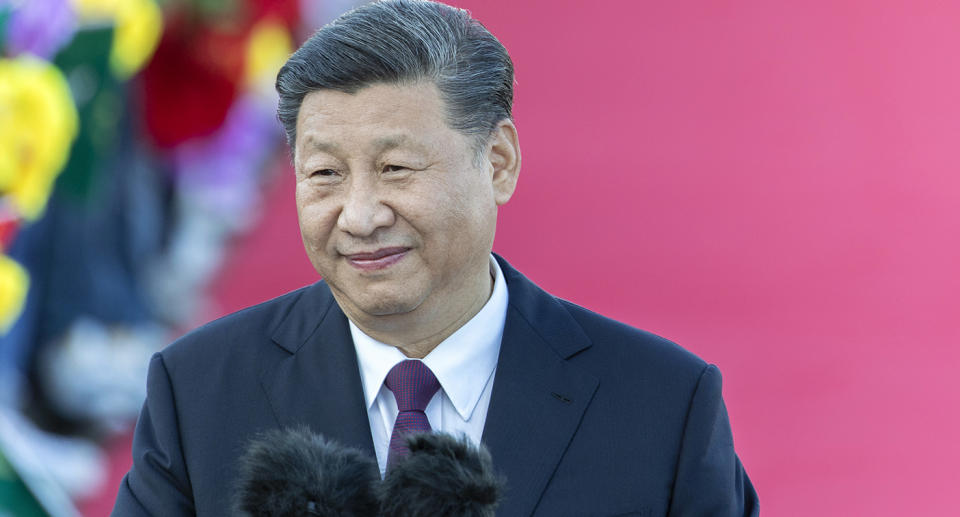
442, 476
296, 473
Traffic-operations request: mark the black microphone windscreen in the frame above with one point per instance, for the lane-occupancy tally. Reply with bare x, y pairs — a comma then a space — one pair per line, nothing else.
294, 473
442, 476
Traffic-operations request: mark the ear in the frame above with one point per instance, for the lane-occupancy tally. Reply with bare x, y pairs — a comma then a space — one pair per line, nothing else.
503, 155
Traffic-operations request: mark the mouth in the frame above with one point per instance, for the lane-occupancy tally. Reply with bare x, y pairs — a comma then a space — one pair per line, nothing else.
375, 260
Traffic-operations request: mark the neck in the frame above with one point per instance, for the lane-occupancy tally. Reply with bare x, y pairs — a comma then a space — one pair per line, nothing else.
418, 332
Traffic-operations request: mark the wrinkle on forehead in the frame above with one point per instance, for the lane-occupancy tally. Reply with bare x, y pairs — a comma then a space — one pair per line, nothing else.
382, 143
379, 117
373, 104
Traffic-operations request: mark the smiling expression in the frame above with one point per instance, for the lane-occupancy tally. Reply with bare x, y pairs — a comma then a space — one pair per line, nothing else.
395, 212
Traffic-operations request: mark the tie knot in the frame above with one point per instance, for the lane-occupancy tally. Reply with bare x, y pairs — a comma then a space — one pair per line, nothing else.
412, 384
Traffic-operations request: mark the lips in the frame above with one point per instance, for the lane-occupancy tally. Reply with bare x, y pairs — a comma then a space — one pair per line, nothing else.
378, 259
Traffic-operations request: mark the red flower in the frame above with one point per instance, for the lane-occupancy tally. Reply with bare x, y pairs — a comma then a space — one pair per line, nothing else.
191, 81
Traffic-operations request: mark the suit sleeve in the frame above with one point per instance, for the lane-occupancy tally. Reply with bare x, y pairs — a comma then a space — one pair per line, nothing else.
157, 484
710, 480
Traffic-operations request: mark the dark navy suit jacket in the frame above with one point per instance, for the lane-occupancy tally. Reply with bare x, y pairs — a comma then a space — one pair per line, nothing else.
588, 416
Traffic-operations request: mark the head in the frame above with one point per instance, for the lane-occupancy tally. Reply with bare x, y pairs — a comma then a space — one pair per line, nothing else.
399, 117
405, 41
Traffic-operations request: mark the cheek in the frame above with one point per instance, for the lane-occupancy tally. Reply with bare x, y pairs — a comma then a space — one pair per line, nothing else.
432, 206
317, 220
472, 201
460, 213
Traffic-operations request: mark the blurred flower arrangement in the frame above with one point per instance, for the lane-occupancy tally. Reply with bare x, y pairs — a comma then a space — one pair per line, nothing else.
38, 117
135, 139
38, 122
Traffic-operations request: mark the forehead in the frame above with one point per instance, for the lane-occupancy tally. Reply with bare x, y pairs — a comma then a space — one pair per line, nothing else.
390, 113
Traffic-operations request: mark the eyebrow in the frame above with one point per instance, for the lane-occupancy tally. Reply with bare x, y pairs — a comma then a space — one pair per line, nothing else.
380, 144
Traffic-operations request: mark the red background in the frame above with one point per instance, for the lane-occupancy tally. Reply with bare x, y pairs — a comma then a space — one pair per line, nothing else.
774, 185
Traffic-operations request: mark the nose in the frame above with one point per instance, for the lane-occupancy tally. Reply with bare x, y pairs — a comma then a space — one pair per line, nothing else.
364, 210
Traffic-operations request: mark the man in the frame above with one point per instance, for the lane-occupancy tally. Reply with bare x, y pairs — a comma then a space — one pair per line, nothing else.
399, 117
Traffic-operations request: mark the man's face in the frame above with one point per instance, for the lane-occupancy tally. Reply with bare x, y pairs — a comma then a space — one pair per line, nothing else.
394, 212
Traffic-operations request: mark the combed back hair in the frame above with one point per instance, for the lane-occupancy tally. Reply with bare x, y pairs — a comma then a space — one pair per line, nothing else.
405, 41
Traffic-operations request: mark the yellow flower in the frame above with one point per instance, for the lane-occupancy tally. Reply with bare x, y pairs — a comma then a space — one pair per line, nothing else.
138, 25
13, 291
38, 122
96, 9
268, 47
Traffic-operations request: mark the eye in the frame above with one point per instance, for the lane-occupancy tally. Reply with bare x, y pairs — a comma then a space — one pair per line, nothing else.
324, 172
394, 168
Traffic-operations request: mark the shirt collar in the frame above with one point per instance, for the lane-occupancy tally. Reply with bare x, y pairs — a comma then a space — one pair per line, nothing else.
463, 363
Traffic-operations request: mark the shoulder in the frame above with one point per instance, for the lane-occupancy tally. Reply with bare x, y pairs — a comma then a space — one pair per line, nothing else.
607, 347
612, 337
240, 336
643, 377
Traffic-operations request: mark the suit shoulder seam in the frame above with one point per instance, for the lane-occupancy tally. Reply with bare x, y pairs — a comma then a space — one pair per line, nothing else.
686, 422
176, 414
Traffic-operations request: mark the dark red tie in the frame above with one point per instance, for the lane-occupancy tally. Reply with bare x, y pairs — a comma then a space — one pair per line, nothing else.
413, 385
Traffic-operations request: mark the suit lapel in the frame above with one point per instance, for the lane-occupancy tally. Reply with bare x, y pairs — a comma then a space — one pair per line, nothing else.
318, 383
536, 406
538, 398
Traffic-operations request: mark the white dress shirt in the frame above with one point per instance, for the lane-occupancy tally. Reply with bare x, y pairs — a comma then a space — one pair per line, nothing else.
464, 363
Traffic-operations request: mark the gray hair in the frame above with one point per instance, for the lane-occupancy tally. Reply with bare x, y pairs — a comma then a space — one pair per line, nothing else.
395, 41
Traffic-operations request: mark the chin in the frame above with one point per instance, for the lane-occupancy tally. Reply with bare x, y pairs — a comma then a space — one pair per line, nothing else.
377, 302
377, 297
388, 307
